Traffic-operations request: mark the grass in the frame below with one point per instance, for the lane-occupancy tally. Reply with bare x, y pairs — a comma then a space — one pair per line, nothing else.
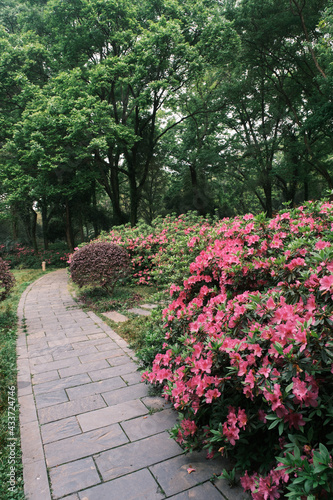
123, 298
11, 471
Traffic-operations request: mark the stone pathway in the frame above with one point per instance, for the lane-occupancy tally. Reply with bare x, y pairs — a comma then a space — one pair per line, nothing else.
89, 428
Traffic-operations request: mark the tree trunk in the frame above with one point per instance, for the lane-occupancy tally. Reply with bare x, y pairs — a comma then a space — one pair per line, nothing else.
198, 200
69, 229
34, 230
45, 224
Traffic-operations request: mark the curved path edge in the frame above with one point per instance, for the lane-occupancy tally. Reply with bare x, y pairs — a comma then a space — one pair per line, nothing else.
36, 483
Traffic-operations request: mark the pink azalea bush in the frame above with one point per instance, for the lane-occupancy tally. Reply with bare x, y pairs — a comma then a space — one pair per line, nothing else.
164, 249
247, 357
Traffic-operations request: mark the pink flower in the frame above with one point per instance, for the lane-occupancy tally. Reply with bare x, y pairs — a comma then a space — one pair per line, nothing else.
262, 416
268, 490
326, 284
247, 482
242, 418
212, 394
274, 397
231, 433
294, 420
189, 427
322, 244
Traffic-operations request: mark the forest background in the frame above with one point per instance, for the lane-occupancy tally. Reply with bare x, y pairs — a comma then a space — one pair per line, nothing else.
120, 110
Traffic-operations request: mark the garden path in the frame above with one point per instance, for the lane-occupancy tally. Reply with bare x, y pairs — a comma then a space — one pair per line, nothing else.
89, 428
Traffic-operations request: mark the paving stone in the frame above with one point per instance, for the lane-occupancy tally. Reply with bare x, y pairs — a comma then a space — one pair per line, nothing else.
85, 342
55, 365
87, 330
139, 311
70, 408
119, 360
96, 356
173, 474
132, 377
24, 386
95, 336
83, 368
50, 398
206, 490
33, 342
40, 360
135, 456
116, 353
102, 386
111, 415
126, 488
148, 306
112, 334
31, 444
60, 429
37, 335
27, 409
62, 383
82, 445
95, 318
36, 351
113, 372
39, 378
122, 343
115, 316
111, 345
76, 331
70, 352
36, 483
128, 393
72, 477
156, 402
142, 427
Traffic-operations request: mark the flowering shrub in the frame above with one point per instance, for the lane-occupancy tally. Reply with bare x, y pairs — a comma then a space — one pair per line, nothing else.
25, 257
248, 353
7, 280
99, 264
163, 251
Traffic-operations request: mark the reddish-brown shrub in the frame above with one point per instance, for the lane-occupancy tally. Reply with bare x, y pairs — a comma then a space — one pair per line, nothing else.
7, 279
99, 264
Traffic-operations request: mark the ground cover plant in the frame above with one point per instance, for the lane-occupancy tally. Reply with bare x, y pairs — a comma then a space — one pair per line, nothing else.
8, 388
247, 357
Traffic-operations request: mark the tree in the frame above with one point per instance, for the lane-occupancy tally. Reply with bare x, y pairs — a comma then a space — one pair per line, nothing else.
272, 95
137, 59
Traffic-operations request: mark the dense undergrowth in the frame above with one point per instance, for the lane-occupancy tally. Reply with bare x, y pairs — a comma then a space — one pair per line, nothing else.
20, 256
244, 349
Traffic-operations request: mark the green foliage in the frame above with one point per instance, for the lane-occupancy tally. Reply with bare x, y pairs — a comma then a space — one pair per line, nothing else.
99, 264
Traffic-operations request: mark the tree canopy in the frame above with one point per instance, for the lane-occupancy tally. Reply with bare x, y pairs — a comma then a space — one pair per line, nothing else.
117, 110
